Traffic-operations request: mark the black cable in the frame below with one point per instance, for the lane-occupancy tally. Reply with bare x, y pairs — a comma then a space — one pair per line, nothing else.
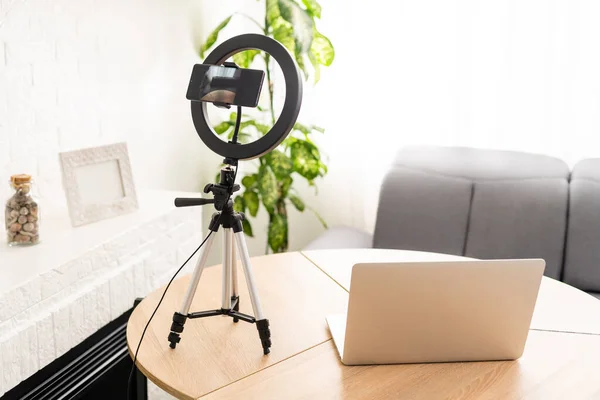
154, 312
234, 139
238, 121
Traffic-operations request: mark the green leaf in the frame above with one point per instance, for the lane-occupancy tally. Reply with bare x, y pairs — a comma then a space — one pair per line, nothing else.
281, 164
323, 168
247, 228
251, 200
233, 116
213, 36
300, 61
284, 34
262, 128
272, 11
302, 128
248, 123
245, 58
322, 49
242, 136
288, 141
218, 177
267, 187
249, 181
278, 233
238, 204
297, 202
313, 8
306, 159
318, 129
302, 23
321, 220
285, 186
222, 127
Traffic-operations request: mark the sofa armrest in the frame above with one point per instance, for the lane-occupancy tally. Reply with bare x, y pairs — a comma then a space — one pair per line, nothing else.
582, 255
341, 237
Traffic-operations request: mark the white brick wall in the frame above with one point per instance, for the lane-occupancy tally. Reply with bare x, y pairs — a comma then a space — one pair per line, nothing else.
80, 73
47, 347
43, 318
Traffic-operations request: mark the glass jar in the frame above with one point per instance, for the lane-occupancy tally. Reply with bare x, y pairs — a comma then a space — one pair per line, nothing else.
22, 213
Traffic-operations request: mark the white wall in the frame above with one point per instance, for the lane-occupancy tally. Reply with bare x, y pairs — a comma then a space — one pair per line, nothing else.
79, 73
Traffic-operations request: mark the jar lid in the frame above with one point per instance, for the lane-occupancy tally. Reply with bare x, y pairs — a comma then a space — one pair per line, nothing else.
20, 179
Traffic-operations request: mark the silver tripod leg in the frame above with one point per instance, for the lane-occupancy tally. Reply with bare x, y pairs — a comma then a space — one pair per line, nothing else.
226, 281
262, 324
229, 286
191, 291
245, 258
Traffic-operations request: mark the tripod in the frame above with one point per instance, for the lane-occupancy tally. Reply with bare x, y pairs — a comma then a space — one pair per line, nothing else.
231, 222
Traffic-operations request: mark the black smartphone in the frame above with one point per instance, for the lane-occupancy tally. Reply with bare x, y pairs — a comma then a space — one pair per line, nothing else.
225, 85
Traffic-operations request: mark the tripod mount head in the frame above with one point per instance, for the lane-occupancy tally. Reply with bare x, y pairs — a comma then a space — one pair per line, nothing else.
221, 192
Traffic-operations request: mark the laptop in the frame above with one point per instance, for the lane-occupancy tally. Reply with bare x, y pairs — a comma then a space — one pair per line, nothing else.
421, 312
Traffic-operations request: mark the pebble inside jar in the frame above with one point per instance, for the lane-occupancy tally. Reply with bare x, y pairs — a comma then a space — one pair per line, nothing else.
22, 213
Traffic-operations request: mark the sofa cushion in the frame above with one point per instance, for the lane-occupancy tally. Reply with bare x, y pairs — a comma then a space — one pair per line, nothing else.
422, 211
475, 202
582, 258
519, 219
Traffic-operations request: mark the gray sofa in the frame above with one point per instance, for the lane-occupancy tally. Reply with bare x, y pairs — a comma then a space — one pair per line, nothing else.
488, 204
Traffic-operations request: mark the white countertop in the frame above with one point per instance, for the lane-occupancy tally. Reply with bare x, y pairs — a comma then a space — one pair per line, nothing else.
60, 242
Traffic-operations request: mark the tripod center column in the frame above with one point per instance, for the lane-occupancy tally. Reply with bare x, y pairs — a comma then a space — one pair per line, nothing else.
227, 266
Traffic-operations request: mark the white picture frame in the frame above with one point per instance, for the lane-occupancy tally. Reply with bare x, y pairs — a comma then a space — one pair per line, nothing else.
98, 183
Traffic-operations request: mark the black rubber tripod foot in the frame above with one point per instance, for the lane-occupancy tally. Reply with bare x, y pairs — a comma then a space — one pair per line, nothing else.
174, 338
176, 329
265, 335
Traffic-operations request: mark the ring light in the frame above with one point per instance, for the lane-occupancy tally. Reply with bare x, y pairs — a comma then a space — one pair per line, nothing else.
291, 106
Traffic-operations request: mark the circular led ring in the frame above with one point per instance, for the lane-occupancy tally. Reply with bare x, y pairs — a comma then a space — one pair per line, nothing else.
291, 106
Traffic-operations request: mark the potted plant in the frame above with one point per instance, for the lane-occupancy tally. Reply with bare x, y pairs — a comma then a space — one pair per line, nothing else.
298, 157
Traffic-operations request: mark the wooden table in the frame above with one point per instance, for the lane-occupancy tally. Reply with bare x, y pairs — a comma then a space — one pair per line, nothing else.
217, 359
